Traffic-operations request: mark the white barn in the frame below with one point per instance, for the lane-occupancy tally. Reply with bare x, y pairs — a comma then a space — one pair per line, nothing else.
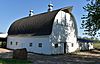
53, 32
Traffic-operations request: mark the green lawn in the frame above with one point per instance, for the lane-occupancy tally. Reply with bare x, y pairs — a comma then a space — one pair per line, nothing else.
96, 45
14, 61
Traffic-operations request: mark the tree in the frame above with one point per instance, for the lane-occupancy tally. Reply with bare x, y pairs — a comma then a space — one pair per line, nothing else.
91, 21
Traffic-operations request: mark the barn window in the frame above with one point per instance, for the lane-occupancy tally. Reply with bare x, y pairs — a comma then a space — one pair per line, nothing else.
11, 43
40, 45
72, 44
56, 45
57, 21
30, 44
72, 25
16, 43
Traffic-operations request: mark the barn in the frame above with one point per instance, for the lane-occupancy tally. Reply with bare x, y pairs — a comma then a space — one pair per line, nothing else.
52, 32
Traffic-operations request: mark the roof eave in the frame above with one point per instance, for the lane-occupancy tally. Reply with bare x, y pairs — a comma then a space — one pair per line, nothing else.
67, 9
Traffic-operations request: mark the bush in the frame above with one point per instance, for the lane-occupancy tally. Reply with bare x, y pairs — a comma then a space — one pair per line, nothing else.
14, 61
96, 45
3, 44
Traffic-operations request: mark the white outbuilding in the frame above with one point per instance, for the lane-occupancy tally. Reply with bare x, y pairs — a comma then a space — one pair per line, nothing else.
85, 44
52, 32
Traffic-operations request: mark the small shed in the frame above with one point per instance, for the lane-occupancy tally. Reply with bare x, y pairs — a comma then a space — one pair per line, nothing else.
85, 44
3, 40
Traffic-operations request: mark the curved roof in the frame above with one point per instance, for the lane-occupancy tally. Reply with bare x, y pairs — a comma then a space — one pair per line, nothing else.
40, 24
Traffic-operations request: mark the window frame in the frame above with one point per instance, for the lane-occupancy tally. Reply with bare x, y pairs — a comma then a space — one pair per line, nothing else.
16, 43
11, 43
39, 44
72, 44
56, 45
30, 44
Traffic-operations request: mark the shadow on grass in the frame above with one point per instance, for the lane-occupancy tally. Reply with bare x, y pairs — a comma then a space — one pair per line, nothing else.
14, 61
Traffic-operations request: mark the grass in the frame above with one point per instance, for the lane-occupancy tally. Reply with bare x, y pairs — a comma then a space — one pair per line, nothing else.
96, 45
14, 61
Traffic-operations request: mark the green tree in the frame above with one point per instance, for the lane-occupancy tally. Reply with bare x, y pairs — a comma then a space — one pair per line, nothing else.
91, 20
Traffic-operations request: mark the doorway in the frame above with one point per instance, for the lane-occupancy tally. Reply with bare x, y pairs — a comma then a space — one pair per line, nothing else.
65, 47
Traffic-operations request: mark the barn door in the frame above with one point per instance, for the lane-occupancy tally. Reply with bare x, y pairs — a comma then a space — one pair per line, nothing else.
65, 47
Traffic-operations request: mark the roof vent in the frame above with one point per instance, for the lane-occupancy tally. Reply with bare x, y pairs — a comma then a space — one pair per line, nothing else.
50, 7
31, 13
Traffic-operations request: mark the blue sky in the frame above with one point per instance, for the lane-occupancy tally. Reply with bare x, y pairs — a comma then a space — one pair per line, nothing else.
11, 10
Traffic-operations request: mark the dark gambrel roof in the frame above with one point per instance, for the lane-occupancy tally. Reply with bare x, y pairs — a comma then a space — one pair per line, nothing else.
40, 24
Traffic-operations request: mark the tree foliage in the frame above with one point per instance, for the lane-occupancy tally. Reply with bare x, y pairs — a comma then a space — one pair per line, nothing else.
91, 21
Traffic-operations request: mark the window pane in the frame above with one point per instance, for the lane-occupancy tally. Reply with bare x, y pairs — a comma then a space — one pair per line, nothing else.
72, 44
40, 45
30, 44
16, 43
56, 45
11, 43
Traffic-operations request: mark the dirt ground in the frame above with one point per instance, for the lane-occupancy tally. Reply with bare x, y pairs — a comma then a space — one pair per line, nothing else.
2, 50
86, 57
5, 53
83, 57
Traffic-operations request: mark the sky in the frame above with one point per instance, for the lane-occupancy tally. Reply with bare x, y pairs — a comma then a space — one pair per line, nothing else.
11, 10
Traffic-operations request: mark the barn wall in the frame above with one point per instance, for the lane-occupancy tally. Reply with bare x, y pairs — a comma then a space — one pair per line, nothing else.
24, 42
11, 42
64, 32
